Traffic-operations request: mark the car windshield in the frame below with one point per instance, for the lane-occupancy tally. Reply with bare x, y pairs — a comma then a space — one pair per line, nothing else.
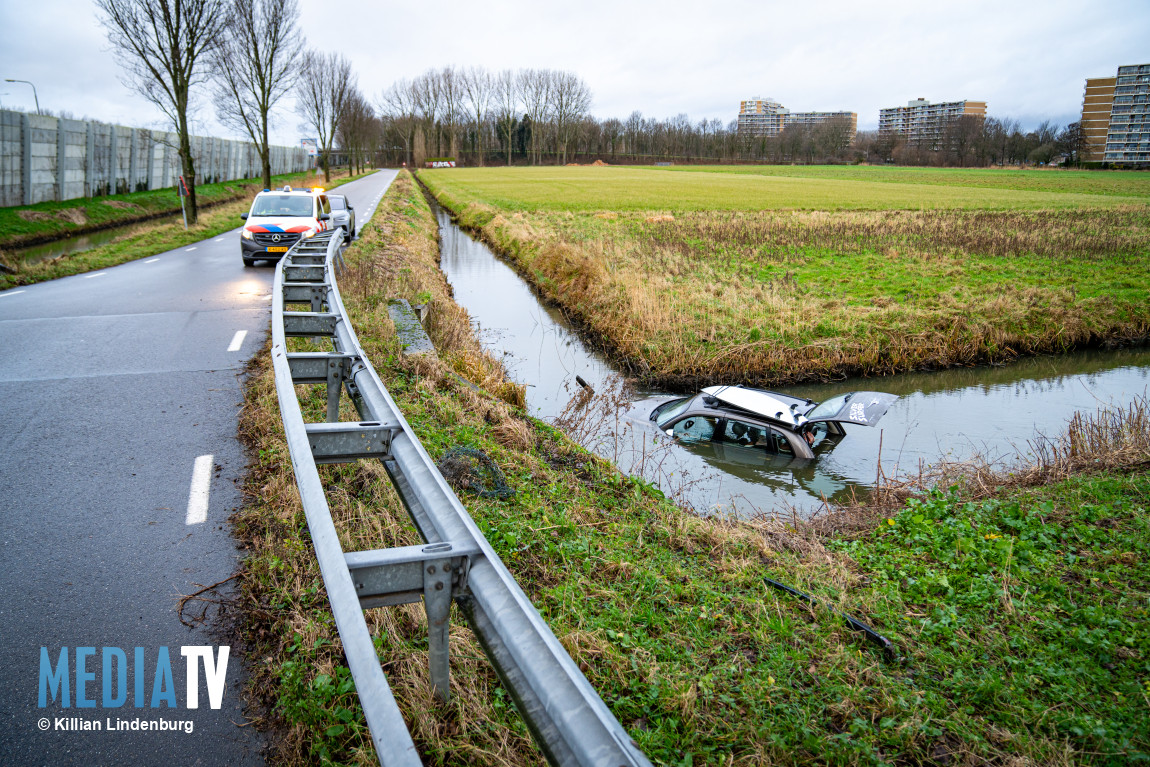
830, 407
337, 203
671, 409
282, 205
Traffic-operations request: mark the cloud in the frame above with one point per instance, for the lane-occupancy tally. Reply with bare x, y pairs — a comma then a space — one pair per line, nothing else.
1027, 60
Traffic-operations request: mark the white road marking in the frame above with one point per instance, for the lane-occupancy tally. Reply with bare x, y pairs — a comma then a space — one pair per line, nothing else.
237, 341
151, 260
97, 274
198, 495
220, 239
10, 293
191, 248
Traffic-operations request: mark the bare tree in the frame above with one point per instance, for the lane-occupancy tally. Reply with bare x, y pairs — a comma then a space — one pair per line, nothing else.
478, 88
325, 83
399, 104
357, 129
507, 105
451, 91
570, 99
535, 90
428, 101
255, 65
160, 43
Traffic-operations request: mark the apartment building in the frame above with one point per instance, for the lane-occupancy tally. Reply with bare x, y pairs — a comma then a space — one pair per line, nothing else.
923, 123
1116, 117
767, 117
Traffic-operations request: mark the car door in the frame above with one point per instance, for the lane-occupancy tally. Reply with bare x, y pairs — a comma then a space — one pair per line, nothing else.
864, 408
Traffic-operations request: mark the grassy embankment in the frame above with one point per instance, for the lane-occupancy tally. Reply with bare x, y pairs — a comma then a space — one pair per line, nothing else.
227, 199
777, 275
1022, 620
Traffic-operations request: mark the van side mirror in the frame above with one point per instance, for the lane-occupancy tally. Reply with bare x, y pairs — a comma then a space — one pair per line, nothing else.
244, 216
324, 216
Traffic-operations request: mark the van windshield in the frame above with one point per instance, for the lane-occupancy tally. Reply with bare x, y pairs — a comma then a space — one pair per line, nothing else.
282, 205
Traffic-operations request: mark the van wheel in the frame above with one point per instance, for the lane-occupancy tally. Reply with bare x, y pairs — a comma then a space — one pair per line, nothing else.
249, 261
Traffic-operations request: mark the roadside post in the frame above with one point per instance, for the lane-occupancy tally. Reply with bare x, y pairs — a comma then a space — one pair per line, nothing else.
182, 190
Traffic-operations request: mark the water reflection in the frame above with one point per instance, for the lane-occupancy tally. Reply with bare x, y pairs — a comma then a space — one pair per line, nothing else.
949, 413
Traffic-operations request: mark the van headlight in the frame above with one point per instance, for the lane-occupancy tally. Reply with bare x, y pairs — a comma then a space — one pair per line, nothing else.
247, 235
308, 233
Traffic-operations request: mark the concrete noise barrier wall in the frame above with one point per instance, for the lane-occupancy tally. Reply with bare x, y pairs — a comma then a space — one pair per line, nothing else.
48, 158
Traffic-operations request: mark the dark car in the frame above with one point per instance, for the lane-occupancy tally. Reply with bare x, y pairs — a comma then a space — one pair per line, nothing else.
342, 214
773, 422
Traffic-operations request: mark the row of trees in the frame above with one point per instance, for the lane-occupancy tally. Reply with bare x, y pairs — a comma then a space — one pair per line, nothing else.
539, 115
248, 53
450, 110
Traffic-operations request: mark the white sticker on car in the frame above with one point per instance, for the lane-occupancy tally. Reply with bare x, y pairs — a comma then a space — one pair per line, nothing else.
858, 412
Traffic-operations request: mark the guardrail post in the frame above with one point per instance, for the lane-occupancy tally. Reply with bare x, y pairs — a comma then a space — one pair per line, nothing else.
437, 604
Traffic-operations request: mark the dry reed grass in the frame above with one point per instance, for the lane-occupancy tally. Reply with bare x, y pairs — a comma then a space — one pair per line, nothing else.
1111, 439
780, 296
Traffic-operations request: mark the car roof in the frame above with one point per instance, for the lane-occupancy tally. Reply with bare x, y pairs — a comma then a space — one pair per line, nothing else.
770, 405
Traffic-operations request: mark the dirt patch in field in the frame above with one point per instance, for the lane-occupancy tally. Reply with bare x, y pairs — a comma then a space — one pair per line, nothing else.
75, 216
121, 205
71, 215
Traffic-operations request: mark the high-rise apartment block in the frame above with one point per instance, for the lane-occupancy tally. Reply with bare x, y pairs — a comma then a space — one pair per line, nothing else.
1116, 117
923, 123
767, 117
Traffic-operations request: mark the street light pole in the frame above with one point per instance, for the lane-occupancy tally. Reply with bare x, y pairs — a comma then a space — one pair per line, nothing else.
34, 94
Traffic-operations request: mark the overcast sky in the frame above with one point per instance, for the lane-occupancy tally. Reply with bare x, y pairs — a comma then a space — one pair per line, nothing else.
1027, 60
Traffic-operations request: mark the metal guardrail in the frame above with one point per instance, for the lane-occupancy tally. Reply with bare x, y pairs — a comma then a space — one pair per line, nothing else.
567, 718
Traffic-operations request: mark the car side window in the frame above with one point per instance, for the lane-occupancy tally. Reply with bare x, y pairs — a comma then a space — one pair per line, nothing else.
780, 443
739, 433
694, 429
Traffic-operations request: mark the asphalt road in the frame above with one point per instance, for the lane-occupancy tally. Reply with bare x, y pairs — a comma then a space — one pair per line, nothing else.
114, 385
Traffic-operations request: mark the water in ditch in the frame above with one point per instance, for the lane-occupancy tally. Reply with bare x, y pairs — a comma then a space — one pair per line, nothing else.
994, 411
78, 244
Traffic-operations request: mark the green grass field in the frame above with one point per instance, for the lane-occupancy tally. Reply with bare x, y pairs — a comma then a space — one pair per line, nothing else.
769, 275
753, 188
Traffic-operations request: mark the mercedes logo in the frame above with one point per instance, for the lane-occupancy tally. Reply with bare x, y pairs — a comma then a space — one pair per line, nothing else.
275, 238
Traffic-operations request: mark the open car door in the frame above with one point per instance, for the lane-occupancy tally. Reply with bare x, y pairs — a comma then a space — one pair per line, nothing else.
862, 407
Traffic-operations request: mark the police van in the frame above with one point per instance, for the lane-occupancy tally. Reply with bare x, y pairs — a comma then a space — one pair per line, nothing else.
278, 219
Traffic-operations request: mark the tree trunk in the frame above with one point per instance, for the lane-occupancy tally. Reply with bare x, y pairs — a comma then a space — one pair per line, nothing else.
189, 167
266, 154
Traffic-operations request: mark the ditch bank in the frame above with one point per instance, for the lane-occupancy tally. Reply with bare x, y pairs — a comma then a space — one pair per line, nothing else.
688, 301
1000, 656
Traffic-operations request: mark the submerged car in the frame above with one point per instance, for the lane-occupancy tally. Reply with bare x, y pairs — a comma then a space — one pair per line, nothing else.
771, 421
